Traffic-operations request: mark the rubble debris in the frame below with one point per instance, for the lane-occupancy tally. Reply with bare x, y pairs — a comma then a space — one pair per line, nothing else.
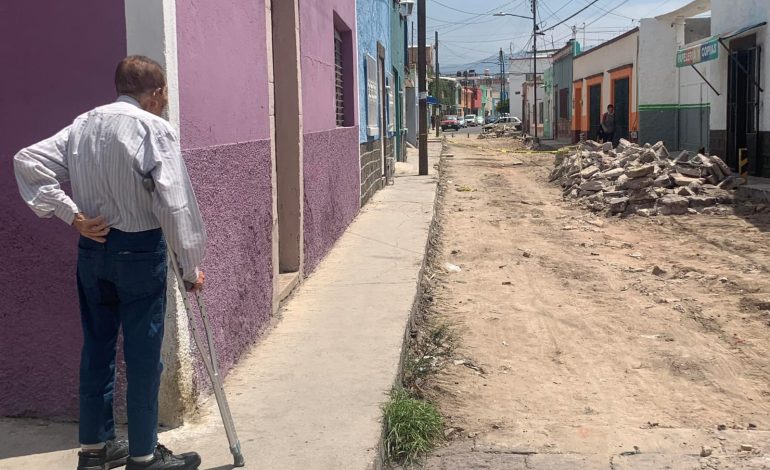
643, 180
746, 448
706, 451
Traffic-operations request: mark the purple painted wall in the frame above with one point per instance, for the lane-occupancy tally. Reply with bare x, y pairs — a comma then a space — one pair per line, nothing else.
55, 66
225, 136
330, 154
222, 72
235, 195
331, 189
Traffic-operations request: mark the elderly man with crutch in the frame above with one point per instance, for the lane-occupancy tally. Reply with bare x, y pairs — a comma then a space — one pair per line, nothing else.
131, 195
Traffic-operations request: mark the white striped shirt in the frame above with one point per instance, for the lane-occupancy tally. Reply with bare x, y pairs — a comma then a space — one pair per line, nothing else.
110, 154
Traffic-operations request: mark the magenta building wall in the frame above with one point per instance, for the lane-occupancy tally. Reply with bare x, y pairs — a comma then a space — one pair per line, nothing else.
225, 134
330, 153
55, 66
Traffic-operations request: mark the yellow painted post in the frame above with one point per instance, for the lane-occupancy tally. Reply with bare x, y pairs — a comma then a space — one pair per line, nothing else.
743, 164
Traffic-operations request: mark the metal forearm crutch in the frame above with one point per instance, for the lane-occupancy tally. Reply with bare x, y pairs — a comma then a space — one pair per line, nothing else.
210, 361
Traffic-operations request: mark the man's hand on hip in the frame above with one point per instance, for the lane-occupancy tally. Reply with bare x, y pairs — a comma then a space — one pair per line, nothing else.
95, 229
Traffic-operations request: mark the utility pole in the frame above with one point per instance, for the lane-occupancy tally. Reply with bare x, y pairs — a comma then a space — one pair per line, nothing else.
438, 88
502, 71
422, 87
534, 62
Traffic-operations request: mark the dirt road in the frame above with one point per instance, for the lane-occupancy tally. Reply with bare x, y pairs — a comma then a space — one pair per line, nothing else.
595, 343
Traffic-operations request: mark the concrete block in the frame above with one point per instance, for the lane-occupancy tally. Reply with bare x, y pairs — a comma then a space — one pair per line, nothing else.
673, 205
640, 171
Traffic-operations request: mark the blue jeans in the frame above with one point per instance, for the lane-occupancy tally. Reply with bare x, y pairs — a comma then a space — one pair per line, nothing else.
122, 283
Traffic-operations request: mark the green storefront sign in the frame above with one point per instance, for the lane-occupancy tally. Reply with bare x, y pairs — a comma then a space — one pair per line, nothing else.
698, 53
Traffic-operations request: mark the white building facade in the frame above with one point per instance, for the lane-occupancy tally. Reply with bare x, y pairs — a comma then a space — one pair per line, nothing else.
739, 118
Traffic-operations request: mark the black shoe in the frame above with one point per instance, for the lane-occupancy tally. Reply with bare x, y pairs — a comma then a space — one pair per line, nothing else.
113, 454
165, 459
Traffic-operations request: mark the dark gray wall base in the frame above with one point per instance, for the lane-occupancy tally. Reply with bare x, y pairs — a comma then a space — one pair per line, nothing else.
371, 169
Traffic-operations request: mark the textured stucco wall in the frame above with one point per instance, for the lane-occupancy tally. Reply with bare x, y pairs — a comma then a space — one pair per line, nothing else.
232, 183
225, 132
330, 154
373, 25
44, 86
331, 189
222, 72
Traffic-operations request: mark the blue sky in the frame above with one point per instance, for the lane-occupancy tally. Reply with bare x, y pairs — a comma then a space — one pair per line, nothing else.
469, 33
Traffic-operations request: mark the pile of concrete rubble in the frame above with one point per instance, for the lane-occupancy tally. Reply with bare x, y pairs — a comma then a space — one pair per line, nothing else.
498, 130
644, 180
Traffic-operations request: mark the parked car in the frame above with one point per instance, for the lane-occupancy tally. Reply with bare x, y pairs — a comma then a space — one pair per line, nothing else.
470, 120
461, 121
490, 119
480, 120
450, 122
507, 120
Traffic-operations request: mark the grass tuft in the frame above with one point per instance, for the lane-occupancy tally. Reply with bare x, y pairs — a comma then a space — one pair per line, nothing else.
412, 427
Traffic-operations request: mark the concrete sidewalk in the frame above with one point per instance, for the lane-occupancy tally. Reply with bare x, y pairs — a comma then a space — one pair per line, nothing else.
308, 396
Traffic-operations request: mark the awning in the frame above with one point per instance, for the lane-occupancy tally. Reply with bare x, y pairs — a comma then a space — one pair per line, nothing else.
708, 49
740, 31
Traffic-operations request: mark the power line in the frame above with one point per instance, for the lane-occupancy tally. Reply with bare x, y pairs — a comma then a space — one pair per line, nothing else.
571, 16
623, 2
455, 9
616, 14
505, 38
555, 12
445, 22
483, 14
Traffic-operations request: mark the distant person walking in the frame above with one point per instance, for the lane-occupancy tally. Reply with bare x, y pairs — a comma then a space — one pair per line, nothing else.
113, 156
608, 125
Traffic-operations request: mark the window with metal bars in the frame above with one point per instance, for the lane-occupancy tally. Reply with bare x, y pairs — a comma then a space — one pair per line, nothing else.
339, 80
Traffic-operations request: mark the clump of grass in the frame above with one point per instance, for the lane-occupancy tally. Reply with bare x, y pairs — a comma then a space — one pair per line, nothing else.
412, 427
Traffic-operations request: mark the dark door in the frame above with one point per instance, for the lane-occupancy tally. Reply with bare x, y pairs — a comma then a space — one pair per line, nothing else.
622, 98
594, 111
743, 107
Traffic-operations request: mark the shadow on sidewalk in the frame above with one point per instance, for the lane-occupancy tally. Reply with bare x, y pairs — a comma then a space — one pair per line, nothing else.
33, 436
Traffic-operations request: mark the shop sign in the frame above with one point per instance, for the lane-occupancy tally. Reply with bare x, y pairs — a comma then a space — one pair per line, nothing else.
698, 53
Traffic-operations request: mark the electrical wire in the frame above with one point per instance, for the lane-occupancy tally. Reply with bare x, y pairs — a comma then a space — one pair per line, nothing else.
487, 13
571, 16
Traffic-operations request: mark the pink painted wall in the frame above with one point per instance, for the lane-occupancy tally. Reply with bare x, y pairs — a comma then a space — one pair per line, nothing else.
222, 72
225, 132
56, 65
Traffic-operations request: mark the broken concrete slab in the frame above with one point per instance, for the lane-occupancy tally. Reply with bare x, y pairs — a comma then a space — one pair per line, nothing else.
640, 171
673, 205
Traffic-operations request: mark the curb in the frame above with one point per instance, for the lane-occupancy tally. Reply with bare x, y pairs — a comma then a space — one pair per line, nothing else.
380, 460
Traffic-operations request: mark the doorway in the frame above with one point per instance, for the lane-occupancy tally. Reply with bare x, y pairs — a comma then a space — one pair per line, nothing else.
621, 98
594, 111
743, 102
381, 88
288, 140
577, 110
